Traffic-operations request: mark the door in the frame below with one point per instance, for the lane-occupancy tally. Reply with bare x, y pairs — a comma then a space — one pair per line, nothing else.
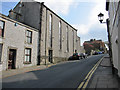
12, 59
50, 56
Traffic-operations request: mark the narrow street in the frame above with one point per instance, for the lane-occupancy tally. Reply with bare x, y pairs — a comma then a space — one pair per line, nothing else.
65, 75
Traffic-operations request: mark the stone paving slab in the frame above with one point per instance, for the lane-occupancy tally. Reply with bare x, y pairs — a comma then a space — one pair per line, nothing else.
103, 77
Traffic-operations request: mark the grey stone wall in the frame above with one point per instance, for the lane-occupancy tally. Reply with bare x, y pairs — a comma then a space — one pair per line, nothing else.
114, 33
31, 15
15, 38
28, 13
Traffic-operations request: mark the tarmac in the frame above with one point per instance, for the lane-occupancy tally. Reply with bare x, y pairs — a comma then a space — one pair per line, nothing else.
102, 78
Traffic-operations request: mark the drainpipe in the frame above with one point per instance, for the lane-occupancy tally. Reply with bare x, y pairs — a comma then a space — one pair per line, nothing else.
39, 35
45, 36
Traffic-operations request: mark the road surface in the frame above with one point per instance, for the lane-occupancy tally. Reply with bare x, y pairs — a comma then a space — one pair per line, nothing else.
65, 75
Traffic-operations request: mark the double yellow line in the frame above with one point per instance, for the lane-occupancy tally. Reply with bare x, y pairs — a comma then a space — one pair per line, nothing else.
84, 83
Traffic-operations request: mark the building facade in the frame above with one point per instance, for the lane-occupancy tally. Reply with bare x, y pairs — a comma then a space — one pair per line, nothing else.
94, 45
113, 8
18, 44
57, 40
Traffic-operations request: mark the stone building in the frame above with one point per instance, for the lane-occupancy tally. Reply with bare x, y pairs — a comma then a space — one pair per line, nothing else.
18, 44
57, 39
96, 45
113, 23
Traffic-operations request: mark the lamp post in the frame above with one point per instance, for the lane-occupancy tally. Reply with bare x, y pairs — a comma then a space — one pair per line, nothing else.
101, 17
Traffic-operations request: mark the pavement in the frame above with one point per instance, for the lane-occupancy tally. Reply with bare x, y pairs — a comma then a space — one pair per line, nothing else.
103, 77
11, 72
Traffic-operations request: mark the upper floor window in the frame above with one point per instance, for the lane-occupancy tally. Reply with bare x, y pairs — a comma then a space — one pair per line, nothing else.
29, 36
50, 30
2, 24
73, 39
67, 38
60, 35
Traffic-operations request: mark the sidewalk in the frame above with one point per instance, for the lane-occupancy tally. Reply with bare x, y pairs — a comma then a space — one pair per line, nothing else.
103, 77
12, 72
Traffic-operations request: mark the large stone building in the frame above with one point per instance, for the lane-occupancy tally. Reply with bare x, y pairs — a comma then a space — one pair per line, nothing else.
113, 23
18, 44
58, 39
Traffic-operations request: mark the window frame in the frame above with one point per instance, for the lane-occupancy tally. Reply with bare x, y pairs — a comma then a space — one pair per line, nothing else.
1, 52
28, 37
28, 56
2, 34
73, 39
67, 38
60, 35
50, 30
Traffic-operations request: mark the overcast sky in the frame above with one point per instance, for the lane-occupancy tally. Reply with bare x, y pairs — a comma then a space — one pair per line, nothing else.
81, 14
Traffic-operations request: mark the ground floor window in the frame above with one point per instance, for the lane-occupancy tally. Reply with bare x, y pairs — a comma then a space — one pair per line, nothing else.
28, 55
1, 45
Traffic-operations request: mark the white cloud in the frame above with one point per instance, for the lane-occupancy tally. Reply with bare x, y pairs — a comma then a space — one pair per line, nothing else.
60, 7
63, 7
82, 29
93, 18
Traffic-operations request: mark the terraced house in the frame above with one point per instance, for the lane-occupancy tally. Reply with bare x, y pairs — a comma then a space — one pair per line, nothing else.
53, 39
18, 44
113, 8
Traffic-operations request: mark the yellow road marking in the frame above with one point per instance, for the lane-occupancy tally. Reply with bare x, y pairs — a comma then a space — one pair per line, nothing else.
86, 77
84, 84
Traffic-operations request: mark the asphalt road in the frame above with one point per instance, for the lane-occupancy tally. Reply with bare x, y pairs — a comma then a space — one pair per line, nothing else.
65, 75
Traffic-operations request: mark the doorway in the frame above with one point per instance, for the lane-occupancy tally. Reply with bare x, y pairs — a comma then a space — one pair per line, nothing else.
12, 59
50, 56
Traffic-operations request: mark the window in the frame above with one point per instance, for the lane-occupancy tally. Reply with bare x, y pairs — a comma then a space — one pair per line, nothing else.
0, 51
73, 40
28, 55
60, 35
67, 38
50, 30
29, 36
2, 24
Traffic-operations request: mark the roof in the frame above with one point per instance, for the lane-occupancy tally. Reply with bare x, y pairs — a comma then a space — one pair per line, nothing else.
52, 12
14, 21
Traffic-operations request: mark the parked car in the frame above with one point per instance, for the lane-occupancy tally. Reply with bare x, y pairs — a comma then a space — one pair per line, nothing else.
95, 53
75, 56
82, 55
100, 52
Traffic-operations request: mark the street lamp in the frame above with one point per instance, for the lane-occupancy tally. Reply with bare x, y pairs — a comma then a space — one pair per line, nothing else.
101, 17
